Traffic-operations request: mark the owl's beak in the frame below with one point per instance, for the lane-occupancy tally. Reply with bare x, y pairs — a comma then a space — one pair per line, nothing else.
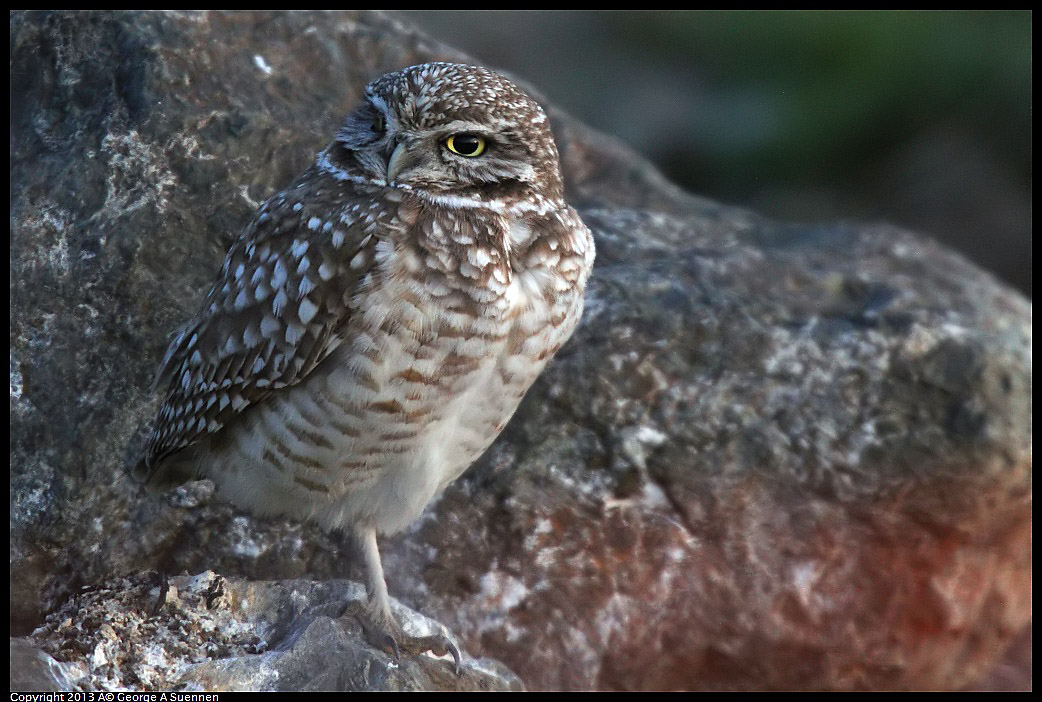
397, 163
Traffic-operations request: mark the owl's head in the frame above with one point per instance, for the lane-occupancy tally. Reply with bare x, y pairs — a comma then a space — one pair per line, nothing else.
451, 130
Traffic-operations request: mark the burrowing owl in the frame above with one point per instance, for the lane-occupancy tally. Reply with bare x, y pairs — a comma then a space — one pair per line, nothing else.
378, 321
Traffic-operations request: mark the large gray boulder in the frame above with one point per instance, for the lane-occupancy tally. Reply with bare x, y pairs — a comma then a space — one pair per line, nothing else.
773, 455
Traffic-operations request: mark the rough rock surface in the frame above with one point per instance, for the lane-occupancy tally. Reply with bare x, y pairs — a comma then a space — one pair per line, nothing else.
773, 456
207, 632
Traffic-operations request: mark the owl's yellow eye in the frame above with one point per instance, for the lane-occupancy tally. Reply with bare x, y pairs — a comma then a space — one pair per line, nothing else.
469, 145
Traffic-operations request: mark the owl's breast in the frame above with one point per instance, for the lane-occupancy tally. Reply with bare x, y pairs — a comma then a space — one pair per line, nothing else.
455, 319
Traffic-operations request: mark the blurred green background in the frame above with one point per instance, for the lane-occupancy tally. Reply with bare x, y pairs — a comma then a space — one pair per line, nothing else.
922, 119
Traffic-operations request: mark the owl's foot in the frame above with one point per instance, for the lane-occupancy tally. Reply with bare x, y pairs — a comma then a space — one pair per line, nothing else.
389, 637
438, 644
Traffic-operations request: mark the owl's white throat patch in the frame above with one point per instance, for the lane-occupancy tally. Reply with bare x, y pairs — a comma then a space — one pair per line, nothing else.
538, 204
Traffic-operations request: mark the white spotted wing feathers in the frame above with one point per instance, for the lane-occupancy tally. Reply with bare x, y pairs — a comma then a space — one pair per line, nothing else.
276, 311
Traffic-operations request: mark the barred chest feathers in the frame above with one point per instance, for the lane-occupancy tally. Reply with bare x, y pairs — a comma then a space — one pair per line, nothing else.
461, 318
453, 321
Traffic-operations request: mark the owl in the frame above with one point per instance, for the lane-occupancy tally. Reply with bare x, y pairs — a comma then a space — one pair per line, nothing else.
377, 323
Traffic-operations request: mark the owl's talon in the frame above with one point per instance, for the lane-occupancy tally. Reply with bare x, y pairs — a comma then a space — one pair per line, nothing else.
374, 634
438, 644
381, 638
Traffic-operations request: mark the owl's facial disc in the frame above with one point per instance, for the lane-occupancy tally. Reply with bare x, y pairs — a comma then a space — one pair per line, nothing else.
399, 161
446, 129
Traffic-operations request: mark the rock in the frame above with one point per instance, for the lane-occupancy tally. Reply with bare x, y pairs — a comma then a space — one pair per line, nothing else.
219, 634
773, 456
32, 670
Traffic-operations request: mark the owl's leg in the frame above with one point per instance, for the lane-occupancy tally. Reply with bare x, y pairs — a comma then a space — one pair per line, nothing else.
379, 604
378, 623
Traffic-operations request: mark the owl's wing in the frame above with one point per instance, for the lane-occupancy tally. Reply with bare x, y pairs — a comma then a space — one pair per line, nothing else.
277, 309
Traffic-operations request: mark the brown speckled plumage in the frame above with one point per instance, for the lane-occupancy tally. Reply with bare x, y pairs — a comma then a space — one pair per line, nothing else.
378, 321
